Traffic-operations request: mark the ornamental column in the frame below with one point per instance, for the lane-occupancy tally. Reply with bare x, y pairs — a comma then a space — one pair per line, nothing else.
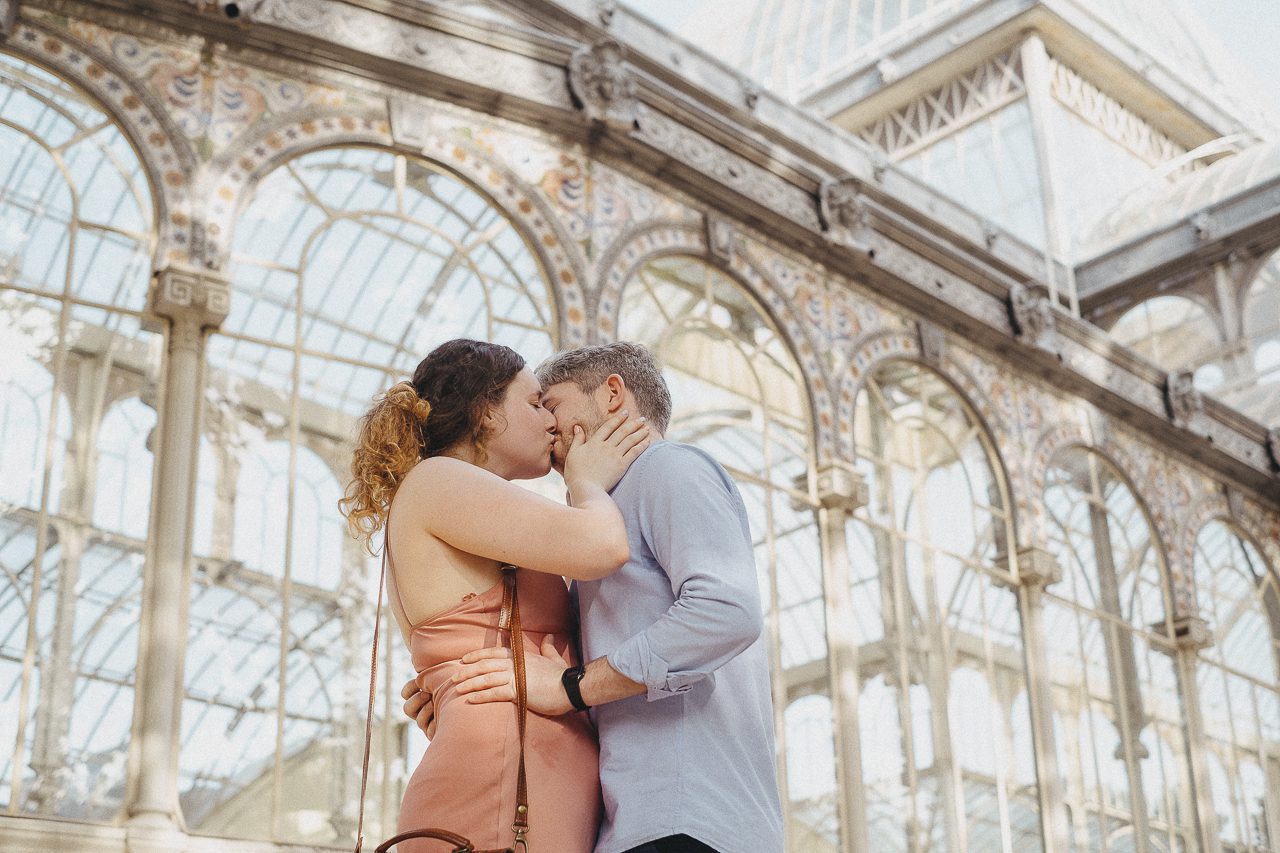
1033, 570
187, 303
841, 490
1190, 635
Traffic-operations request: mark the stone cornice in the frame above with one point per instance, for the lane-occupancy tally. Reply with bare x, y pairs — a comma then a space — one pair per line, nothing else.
766, 164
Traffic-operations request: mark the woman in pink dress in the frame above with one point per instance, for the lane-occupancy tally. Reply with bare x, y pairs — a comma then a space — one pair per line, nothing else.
432, 468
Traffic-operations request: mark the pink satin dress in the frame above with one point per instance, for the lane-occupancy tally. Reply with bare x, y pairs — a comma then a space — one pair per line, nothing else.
466, 782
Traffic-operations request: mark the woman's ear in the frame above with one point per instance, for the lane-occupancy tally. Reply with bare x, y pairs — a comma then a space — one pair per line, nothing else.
493, 422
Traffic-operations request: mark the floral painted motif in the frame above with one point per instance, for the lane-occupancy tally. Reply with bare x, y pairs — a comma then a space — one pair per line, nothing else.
211, 99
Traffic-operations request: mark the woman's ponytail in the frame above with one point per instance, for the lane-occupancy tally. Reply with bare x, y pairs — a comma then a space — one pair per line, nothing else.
390, 443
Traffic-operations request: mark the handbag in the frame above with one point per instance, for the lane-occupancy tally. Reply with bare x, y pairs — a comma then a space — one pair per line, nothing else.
509, 620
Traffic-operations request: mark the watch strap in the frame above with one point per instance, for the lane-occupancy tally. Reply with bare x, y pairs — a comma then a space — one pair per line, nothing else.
572, 681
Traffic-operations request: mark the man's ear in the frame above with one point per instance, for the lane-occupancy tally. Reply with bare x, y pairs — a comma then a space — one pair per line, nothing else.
615, 387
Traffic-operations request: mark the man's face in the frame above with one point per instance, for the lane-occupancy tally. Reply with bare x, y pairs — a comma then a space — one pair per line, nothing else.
571, 407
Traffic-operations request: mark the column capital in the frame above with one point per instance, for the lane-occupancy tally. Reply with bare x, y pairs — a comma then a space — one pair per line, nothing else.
1190, 633
190, 298
1035, 567
841, 486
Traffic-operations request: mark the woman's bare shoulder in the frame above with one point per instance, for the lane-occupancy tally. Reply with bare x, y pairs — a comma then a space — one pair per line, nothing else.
444, 471
443, 482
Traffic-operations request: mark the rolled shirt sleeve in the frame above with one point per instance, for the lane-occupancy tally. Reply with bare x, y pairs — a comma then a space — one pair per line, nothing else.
693, 522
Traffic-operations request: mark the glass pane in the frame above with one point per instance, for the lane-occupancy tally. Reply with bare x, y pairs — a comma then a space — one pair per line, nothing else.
990, 167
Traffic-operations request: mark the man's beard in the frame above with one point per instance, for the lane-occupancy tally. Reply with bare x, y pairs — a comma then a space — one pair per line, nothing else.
560, 449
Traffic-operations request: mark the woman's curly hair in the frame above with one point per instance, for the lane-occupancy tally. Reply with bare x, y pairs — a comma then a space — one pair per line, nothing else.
445, 403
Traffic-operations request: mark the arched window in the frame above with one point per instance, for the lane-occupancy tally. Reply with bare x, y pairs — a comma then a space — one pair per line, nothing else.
940, 640
739, 395
1239, 682
76, 239
1114, 687
348, 266
1175, 333
75, 209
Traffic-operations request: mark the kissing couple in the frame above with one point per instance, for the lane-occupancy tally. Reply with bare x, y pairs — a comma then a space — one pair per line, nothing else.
650, 724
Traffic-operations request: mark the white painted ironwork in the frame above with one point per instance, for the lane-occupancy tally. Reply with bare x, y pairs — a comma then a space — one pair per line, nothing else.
949, 108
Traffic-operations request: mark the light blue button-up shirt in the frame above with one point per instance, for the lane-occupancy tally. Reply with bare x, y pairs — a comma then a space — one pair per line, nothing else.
694, 756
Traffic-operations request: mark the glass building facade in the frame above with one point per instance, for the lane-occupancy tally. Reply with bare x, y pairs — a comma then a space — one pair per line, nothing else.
1000, 616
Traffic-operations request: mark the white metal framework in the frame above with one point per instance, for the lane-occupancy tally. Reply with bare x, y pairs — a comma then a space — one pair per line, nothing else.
76, 407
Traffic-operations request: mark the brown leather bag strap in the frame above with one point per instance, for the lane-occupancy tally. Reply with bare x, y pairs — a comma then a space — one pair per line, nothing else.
373, 681
509, 617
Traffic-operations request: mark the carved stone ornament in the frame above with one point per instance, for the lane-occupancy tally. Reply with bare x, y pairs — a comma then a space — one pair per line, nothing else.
879, 165
933, 341
1190, 633
750, 92
888, 70
603, 86
191, 299
1036, 567
990, 233
840, 486
605, 10
8, 14
1273, 446
1181, 398
1204, 225
721, 236
844, 212
408, 123
1031, 314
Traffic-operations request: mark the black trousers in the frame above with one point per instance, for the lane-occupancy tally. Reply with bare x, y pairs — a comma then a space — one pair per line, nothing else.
673, 844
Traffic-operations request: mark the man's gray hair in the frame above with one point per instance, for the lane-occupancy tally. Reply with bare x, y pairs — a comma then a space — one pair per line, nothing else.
589, 367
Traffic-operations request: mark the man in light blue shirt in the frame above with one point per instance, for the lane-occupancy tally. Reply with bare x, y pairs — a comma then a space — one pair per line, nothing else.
677, 675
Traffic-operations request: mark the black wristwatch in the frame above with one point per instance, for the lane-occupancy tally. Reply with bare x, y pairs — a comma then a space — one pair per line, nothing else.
572, 680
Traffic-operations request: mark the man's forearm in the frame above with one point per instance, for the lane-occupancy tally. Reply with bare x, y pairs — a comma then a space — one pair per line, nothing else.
603, 684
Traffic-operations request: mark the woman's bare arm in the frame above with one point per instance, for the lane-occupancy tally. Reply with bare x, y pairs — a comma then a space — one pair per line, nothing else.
478, 512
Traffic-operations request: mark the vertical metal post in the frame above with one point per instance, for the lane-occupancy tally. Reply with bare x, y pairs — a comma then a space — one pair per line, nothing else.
1190, 636
1035, 569
1037, 78
841, 491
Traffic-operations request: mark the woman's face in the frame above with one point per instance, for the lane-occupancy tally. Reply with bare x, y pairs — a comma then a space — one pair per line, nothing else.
522, 432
